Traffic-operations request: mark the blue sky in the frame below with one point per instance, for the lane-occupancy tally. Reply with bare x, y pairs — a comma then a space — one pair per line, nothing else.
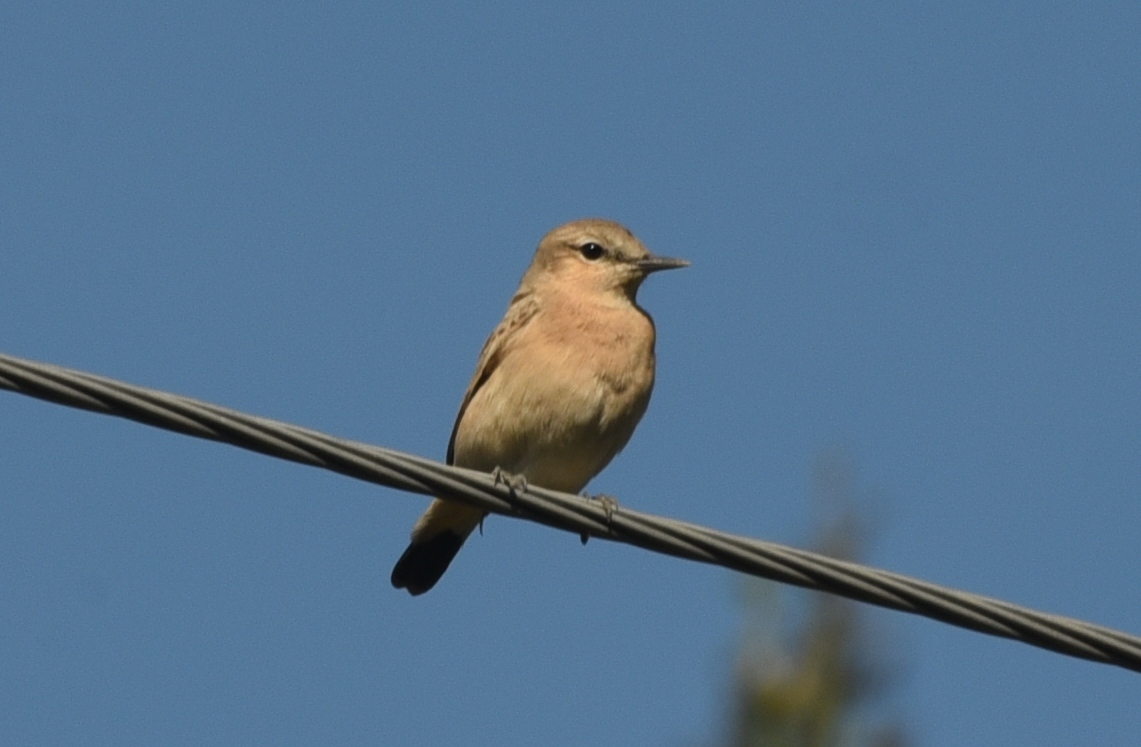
914, 233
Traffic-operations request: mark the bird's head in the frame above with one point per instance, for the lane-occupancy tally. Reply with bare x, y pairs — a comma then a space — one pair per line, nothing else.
593, 256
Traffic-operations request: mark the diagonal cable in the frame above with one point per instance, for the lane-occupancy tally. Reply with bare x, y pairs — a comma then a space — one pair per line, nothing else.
572, 513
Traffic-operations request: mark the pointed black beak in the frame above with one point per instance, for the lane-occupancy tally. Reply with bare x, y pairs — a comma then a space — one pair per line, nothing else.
653, 264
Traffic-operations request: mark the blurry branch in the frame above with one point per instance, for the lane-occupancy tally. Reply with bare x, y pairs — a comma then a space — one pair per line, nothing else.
808, 680
570, 513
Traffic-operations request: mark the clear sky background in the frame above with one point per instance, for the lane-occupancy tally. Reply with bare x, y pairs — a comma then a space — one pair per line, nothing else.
915, 235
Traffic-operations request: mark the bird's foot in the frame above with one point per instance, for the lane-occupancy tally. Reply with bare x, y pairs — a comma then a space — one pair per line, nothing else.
609, 505
517, 483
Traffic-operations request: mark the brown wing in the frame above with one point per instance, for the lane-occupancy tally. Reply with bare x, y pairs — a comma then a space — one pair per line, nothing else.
520, 312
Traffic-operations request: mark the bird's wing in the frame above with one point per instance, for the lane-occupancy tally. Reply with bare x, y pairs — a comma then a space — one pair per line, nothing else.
522, 309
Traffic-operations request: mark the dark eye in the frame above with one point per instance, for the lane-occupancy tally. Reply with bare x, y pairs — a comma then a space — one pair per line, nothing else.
592, 251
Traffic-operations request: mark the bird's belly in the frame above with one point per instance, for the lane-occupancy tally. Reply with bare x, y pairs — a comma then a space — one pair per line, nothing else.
557, 433
569, 463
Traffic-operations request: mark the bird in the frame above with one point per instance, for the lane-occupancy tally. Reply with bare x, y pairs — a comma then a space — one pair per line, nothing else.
559, 386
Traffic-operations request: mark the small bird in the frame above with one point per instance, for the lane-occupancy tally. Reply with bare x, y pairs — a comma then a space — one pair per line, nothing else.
559, 386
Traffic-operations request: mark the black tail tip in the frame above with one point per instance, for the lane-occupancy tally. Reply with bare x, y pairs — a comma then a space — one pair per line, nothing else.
423, 563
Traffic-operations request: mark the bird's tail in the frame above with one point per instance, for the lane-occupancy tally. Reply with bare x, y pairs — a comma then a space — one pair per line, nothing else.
437, 537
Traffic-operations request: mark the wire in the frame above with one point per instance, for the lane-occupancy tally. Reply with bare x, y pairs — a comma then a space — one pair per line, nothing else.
571, 513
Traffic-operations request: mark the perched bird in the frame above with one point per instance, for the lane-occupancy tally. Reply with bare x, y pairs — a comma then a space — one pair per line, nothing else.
559, 386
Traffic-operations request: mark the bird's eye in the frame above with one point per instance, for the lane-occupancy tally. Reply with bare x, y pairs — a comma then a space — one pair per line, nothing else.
592, 251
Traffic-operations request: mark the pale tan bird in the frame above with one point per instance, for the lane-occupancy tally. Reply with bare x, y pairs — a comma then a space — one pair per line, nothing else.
559, 386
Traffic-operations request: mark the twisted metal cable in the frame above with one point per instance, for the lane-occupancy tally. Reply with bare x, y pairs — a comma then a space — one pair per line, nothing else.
571, 513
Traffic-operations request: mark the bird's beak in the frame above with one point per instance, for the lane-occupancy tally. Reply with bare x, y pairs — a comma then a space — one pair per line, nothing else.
653, 264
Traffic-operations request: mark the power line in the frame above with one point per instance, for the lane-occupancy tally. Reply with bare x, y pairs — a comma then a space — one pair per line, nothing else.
572, 513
